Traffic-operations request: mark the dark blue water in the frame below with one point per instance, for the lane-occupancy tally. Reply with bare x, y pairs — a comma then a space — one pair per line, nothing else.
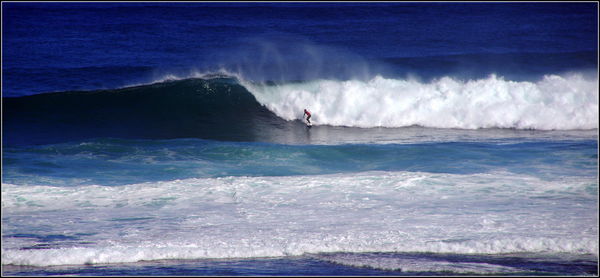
149, 139
66, 46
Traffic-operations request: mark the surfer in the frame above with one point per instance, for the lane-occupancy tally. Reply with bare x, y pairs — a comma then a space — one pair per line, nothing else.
307, 115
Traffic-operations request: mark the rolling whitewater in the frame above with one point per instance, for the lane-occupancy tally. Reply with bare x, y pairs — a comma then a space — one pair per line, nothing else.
147, 139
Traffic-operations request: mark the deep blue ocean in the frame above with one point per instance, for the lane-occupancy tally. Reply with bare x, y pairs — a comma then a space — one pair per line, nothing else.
159, 138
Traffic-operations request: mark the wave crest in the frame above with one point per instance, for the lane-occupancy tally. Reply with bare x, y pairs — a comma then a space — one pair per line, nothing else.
553, 103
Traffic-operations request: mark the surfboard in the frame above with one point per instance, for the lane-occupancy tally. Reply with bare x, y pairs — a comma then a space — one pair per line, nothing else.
308, 124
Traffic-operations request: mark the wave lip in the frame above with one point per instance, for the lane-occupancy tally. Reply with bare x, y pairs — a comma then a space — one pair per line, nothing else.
554, 103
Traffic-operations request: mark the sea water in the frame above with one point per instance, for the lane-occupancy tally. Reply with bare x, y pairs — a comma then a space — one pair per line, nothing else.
167, 139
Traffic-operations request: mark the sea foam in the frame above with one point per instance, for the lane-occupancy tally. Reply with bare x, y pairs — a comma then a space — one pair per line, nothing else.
248, 217
257, 244
554, 103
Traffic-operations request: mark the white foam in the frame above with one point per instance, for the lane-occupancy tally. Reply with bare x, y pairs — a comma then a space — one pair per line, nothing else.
232, 189
242, 217
256, 244
555, 102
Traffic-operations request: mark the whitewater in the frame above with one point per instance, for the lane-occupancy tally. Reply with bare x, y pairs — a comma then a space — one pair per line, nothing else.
380, 155
396, 167
242, 217
555, 102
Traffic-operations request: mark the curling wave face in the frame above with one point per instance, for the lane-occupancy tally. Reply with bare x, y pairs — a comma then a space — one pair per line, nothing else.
217, 108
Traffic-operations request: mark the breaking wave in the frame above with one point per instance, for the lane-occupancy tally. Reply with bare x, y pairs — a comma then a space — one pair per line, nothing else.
227, 107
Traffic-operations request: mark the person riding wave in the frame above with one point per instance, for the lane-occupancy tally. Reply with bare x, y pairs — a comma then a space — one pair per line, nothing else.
307, 115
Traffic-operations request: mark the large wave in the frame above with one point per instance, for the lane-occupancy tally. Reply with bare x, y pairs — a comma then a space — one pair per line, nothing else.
228, 107
553, 103
216, 108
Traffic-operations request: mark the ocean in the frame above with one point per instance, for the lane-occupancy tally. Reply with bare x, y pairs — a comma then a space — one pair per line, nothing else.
161, 138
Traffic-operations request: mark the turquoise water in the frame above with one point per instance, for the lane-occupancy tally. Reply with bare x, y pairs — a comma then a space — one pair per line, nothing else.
500, 206
121, 162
